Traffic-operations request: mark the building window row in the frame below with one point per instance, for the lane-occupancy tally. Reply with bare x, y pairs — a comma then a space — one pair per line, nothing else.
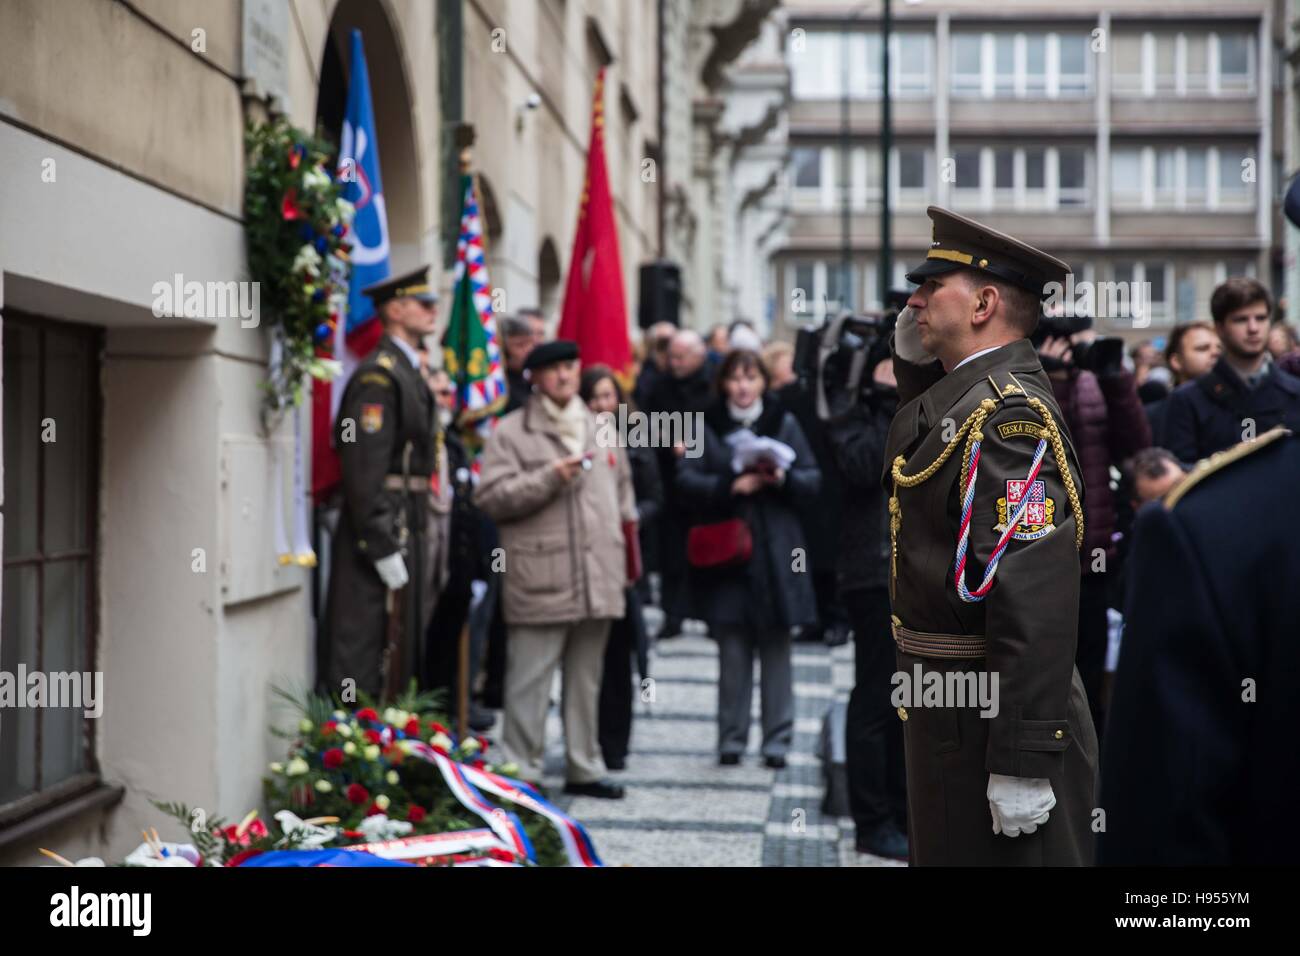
1025, 65
1183, 177
1191, 63
1029, 177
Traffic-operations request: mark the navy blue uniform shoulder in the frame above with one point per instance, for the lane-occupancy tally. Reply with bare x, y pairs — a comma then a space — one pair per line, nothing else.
1255, 465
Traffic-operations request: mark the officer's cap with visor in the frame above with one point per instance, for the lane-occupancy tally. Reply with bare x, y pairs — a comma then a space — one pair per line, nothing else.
961, 243
413, 285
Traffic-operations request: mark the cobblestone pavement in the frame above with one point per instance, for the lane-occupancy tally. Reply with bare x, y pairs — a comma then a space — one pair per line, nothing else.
682, 808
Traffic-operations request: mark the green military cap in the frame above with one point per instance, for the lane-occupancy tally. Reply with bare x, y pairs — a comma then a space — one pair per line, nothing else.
413, 285
961, 243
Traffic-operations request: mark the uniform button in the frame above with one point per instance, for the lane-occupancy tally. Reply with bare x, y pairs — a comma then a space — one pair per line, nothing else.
361, 545
902, 713
1060, 734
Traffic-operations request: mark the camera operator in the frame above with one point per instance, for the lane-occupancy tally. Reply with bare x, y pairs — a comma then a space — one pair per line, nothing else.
857, 397
1108, 425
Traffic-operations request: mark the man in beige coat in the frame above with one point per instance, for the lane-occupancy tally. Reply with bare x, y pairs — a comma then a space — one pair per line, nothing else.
560, 501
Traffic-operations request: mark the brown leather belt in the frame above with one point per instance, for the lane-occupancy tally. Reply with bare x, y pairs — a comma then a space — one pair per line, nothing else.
412, 483
949, 647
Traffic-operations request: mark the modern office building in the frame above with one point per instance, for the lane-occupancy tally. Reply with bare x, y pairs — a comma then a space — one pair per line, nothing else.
1141, 141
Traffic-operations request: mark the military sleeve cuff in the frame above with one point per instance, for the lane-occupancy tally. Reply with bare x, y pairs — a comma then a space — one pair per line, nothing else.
1026, 748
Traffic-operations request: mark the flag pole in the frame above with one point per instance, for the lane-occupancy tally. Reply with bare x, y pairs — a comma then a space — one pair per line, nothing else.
462, 385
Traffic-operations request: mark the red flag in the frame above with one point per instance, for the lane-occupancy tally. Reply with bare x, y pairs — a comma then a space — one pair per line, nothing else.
595, 309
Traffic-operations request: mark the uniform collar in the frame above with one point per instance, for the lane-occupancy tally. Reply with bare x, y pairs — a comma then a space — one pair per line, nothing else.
1017, 356
406, 350
975, 355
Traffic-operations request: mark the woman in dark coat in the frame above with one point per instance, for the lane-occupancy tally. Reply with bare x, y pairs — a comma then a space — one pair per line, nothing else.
627, 637
752, 606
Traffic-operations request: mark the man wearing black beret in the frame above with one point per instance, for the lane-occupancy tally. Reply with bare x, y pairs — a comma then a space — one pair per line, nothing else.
561, 503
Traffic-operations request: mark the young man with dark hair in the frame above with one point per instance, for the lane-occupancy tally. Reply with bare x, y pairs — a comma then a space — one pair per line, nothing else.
1245, 394
1191, 352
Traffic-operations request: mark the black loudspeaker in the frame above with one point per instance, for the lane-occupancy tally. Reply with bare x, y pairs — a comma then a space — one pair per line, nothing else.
661, 293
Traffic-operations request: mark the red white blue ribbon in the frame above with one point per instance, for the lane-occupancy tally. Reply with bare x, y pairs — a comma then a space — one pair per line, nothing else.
968, 503
577, 844
504, 824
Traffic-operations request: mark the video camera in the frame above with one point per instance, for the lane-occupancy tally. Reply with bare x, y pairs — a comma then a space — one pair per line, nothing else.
1101, 356
834, 361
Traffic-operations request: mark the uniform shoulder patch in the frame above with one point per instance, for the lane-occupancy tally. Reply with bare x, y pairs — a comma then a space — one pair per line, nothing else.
372, 418
1020, 429
1221, 460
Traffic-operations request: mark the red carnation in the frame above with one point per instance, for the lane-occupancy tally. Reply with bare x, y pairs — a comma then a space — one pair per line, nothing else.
413, 727
438, 728
373, 736
357, 793
328, 727
415, 814
482, 742
479, 765
254, 831
333, 758
367, 713
372, 810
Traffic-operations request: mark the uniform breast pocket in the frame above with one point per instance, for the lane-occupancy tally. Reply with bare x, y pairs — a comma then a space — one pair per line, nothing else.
538, 565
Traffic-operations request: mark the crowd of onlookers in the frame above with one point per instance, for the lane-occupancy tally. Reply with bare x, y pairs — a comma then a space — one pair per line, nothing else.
791, 545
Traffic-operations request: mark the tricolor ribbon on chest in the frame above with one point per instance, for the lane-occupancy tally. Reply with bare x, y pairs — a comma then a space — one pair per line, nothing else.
971, 432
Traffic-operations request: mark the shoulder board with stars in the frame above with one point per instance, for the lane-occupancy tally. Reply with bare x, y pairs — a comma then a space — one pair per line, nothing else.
1221, 460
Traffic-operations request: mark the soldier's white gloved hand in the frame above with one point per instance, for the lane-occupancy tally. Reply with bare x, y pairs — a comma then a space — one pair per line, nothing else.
392, 571
907, 338
1019, 804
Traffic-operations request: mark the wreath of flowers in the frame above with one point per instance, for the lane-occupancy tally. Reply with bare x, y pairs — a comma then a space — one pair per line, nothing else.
296, 225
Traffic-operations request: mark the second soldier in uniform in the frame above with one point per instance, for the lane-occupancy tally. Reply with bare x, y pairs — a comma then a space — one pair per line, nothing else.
389, 444
986, 520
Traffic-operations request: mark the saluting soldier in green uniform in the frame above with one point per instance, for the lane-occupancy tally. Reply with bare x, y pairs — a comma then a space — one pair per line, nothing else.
389, 443
986, 520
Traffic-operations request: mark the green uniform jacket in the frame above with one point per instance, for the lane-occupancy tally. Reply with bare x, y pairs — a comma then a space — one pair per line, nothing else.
386, 407
1028, 619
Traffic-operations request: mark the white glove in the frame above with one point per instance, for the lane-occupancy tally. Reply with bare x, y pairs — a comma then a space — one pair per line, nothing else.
1019, 803
907, 339
392, 570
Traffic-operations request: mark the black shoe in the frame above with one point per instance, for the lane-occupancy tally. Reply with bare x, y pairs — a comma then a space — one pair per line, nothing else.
598, 789
884, 840
615, 763
837, 636
775, 763
481, 720
729, 760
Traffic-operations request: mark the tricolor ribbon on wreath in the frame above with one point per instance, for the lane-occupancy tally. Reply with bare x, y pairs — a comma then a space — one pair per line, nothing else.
466, 783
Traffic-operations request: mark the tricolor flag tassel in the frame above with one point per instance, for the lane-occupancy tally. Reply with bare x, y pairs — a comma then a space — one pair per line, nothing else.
303, 553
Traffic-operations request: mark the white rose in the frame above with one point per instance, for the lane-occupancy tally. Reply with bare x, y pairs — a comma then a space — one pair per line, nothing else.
277, 767
392, 778
350, 749
382, 801
440, 740
372, 752
297, 767
305, 725
324, 786
345, 730
471, 745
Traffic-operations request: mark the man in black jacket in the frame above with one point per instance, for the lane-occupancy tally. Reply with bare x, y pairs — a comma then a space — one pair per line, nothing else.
1245, 394
874, 736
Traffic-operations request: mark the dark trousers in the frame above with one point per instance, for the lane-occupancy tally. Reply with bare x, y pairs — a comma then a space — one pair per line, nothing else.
442, 647
874, 734
1090, 655
615, 715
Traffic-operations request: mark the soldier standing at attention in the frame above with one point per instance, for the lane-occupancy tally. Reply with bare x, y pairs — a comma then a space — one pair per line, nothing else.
986, 521
389, 443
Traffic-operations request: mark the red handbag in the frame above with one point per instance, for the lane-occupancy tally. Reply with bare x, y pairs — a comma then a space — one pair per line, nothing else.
723, 544
632, 551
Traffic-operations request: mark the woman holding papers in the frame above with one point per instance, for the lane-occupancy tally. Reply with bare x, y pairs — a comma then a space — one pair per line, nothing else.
750, 579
